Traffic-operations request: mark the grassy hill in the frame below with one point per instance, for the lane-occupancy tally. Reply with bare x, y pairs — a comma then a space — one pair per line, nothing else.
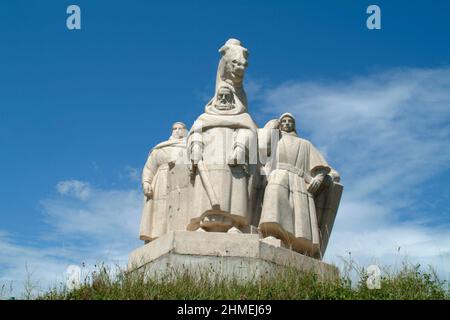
408, 283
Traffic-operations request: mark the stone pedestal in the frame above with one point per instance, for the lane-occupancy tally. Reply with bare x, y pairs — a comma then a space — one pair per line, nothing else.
222, 255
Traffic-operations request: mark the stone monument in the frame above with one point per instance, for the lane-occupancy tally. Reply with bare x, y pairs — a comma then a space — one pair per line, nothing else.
234, 199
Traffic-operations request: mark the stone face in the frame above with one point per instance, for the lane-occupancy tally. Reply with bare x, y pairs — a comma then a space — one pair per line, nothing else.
224, 255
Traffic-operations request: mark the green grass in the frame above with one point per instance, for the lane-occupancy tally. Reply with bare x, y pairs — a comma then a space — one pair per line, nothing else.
408, 283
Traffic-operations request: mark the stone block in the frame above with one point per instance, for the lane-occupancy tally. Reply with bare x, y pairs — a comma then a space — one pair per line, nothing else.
222, 255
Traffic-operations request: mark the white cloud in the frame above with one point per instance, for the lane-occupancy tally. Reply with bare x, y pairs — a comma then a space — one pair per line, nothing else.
74, 188
99, 228
106, 215
131, 173
44, 266
388, 134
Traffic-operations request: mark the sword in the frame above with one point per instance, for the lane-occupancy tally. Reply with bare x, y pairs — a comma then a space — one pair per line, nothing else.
204, 176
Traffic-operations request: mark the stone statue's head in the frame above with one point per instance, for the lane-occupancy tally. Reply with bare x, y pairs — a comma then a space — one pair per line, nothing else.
178, 130
224, 99
230, 73
233, 63
287, 123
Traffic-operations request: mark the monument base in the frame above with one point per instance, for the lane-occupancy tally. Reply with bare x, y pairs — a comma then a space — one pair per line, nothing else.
222, 255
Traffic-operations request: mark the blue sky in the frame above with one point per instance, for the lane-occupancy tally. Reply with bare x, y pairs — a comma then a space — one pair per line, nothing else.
79, 111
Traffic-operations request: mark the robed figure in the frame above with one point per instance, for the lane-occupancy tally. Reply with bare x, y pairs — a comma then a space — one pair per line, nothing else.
165, 183
222, 147
296, 174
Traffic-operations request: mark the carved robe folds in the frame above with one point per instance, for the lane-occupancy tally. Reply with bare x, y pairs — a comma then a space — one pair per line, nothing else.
167, 173
289, 211
219, 136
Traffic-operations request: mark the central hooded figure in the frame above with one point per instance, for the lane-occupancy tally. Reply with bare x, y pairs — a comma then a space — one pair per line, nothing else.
222, 149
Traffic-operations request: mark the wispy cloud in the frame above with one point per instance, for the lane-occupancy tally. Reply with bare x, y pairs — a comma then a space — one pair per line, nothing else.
86, 225
131, 173
388, 134
74, 188
44, 266
109, 216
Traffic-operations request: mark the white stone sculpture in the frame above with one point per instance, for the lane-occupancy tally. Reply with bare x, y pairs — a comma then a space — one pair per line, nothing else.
296, 176
212, 180
165, 182
223, 151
